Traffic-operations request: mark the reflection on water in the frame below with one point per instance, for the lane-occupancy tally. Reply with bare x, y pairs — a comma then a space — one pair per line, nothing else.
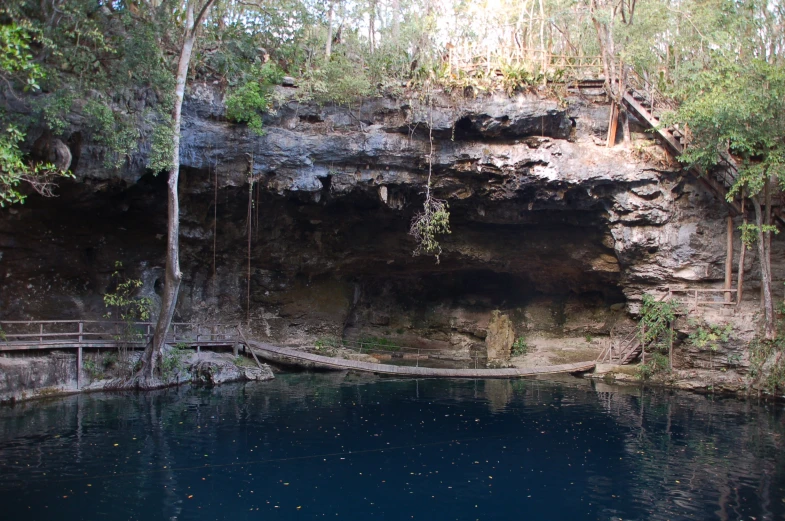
336, 445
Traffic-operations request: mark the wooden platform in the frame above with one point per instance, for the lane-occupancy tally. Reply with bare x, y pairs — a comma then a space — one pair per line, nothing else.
285, 355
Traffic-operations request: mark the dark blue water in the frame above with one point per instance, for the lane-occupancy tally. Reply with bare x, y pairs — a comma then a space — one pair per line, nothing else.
340, 447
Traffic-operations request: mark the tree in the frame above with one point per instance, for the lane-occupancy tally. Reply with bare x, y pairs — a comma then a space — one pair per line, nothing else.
173, 276
734, 110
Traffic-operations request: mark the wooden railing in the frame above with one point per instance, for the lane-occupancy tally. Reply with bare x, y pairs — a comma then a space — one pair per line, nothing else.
490, 59
693, 296
21, 335
88, 332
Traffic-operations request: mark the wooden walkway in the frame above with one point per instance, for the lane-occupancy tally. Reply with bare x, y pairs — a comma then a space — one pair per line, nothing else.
300, 358
95, 334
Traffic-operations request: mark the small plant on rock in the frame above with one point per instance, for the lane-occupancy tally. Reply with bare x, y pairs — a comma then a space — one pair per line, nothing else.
172, 362
123, 305
656, 334
709, 336
520, 347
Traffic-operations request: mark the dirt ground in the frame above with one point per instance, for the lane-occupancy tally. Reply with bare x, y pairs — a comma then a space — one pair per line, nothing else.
552, 351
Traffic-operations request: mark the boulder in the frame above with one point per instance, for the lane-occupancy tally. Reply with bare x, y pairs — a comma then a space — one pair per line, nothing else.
500, 337
216, 371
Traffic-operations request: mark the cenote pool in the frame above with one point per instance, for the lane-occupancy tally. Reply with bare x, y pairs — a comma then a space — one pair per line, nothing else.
337, 446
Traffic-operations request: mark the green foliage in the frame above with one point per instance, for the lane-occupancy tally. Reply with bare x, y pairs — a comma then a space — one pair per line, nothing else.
427, 225
14, 169
54, 110
767, 364
655, 321
709, 336
245, 103
520, 347
173, 362
373, 343
110, 360
749, 232
121, 302
18, 67
657, 363
328, 341
656, 333
92, 368
335, 81
162, 145
16, 59
113, 130
243, 361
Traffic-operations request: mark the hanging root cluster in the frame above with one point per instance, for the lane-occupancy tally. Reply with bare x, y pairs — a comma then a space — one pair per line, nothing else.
427, 225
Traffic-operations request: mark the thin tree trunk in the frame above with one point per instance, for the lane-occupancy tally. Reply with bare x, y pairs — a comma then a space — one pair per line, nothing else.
740, 283
329, 46
729, 259
765, 274
372, 25
542, 38
173, 276
396, 24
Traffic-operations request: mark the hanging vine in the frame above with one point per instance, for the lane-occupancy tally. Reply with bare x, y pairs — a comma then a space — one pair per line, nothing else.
434, 220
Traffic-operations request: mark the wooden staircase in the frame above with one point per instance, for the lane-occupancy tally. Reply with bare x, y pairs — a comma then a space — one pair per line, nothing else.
647, 103
627, 351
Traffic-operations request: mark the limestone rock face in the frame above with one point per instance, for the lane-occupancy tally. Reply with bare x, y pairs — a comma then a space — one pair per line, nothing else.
500, 338
549, 226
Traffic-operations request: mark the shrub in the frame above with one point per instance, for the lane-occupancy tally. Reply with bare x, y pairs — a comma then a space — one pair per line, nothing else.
172, 362
246, 102
520, 347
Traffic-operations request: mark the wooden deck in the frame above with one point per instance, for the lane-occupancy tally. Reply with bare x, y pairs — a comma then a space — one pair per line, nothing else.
286, 355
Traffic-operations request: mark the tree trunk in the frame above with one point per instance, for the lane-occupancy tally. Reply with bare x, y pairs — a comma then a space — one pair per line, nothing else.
173, 275
625, 126
396, 24
740, 283
372, 25
329, 46
765, 274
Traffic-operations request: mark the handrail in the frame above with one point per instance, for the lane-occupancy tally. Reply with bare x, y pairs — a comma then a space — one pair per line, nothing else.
48, 330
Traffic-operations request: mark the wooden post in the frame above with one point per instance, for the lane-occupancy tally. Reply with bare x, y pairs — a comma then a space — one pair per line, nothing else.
81, 330
729, 260
79, 365
147, 335
612, 125
643, 344
174, 333
41, 332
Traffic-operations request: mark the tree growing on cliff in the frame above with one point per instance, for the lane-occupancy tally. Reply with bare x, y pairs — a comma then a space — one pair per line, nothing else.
195, 13
734, 110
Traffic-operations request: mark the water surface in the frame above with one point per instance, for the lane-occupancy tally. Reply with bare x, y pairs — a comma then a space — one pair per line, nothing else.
332, 446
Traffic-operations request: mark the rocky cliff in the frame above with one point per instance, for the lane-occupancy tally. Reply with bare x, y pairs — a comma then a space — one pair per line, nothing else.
549, 226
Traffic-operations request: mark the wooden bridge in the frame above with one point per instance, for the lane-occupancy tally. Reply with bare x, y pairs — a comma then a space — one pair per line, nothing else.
285, 355
19, 336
